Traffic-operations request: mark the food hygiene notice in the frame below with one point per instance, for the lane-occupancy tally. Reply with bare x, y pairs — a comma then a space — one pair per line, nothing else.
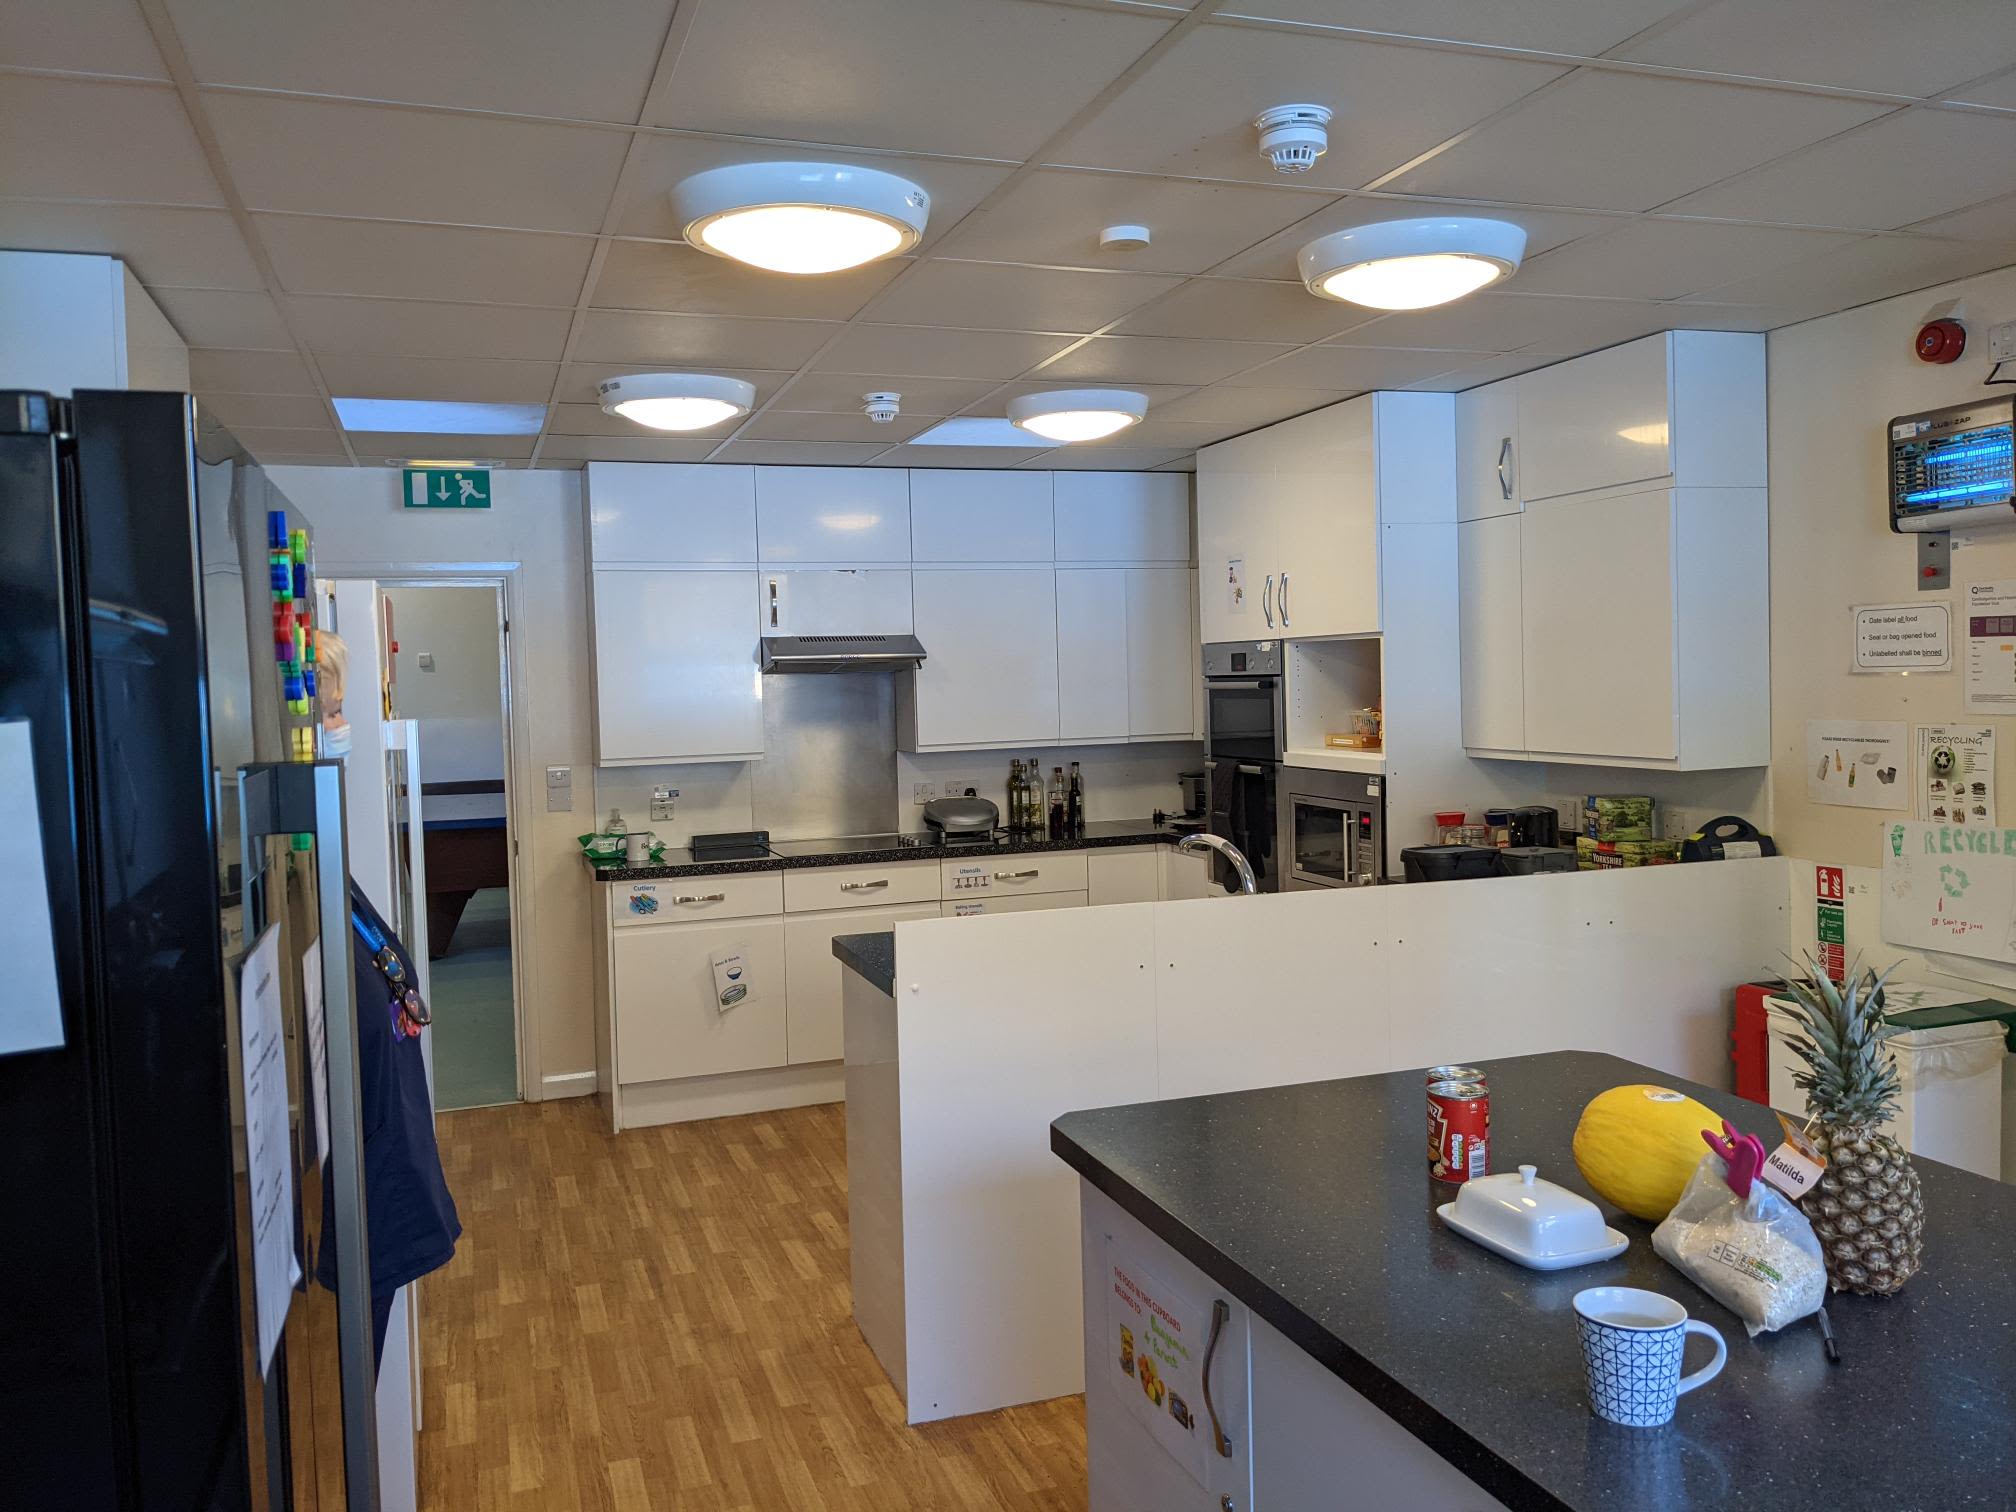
1955, 780
269, 1160
1153, 1352
1903, 637
1989, 667
1858, 763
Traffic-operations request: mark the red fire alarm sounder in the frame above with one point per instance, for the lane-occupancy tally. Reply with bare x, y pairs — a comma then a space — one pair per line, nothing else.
1941, 341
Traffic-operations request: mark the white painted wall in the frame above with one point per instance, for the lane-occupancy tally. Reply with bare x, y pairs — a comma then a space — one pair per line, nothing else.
532, 536
78, 320
459, 702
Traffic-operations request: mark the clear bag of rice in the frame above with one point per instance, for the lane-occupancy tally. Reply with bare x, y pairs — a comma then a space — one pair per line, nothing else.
1755, 1255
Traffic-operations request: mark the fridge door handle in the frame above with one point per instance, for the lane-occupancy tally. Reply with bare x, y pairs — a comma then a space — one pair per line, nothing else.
1221, 1314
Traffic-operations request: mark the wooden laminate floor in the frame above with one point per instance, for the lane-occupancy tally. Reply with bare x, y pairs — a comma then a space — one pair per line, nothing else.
661, 1320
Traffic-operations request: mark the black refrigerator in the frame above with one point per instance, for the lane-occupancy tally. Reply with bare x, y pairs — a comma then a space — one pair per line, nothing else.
144, 638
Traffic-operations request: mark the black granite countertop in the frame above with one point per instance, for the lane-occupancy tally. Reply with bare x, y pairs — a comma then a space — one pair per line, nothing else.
868, 850
1313, 1205
873, 955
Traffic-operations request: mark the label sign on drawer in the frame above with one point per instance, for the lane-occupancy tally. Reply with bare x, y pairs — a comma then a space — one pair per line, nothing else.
731, 978
968, 910
643, 899
972, 879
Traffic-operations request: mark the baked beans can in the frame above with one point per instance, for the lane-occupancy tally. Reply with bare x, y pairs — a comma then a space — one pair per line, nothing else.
1459, 1130
1454, 1073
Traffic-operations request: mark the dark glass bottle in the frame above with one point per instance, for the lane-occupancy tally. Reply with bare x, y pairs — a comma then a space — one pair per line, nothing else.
1074, 801
1057, 803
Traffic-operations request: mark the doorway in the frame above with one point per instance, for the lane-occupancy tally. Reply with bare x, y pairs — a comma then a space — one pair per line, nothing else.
451, 675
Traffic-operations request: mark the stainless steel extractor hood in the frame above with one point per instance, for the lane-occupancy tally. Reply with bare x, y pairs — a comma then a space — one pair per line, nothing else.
841, 653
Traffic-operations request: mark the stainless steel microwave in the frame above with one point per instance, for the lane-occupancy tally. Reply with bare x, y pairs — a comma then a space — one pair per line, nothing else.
1332, 828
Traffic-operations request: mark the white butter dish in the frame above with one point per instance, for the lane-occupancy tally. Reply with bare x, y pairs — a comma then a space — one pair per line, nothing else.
1538, 1224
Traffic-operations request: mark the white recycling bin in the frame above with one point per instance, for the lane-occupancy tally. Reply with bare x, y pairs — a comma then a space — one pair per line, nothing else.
1950, 1105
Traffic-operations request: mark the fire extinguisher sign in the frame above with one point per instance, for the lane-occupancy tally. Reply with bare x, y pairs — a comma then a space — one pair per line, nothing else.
1830, 895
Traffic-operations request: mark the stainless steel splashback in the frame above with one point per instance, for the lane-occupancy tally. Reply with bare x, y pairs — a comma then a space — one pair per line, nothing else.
829, 757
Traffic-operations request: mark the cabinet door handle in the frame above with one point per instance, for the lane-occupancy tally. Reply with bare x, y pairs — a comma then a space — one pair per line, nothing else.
1221, 1314
700, 897
1284, 601
1016, 876
1267, 601
1505, 468
864, 886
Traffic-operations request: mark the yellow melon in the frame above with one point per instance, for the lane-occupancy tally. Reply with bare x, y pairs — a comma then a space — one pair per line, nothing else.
1637, 1145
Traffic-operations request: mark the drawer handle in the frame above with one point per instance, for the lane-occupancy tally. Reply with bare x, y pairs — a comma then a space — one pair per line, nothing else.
864, 886
700, 898
1016, 876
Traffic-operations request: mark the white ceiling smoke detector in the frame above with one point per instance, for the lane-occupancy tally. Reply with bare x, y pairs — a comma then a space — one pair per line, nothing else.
676, 401
1124, 238
804, 218
1411, 264
881, 407
1068, 415
1292, 137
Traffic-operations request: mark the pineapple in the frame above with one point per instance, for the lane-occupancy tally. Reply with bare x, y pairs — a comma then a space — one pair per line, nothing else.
1866, 1209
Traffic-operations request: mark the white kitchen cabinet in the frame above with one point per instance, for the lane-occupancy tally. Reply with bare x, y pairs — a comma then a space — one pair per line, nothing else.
1327, 519
813, 1021
980, 515
676, 671
1493, 632
1186, 875
833, 514
666, 513
1235, 539
1487, 451
990, 671
1123, 874
971, 908
670, 1022
1163, 674
1094, 662
1122, 517
834, 601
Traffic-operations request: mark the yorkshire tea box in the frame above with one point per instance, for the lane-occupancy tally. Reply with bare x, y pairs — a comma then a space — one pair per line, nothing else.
1617, 818
1600, 855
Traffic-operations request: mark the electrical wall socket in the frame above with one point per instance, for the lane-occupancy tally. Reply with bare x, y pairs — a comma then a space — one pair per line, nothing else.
2002, 342
923, 792
955, 787
662, 801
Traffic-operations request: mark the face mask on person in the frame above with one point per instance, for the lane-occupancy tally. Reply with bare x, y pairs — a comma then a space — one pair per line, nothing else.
335, 741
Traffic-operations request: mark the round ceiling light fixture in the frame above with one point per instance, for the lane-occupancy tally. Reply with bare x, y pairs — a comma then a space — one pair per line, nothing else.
1067, 415
803, 218
676, 401
1412, 264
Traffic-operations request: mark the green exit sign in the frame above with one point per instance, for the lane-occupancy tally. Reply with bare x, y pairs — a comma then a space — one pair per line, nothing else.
447, 488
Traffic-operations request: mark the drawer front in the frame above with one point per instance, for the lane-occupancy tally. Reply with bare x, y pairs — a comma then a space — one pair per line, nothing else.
893, 883
999, 876
974, 907
676, 900
673, 1017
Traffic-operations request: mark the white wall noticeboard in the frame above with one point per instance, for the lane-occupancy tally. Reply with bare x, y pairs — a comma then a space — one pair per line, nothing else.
1949, 887
1903, 637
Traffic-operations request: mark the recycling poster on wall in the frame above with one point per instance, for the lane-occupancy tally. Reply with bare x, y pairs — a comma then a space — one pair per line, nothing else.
1950, 887
1955, 775
1858, 763
1155, 1341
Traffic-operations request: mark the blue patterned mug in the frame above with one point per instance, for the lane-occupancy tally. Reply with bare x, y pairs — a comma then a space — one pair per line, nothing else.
1631, 1344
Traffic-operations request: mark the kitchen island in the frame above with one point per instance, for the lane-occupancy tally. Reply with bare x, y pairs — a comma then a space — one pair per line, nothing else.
1370, 1357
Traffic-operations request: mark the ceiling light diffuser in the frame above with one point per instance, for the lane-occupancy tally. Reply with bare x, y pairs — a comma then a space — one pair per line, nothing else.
1067, 415
1412, 264
435, 417
801, 217
676, 401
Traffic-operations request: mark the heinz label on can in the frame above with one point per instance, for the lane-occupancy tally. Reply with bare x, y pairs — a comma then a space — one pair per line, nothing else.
1459, 1130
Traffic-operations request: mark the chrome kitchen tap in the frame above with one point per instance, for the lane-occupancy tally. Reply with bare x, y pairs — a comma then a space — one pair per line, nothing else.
1191, 844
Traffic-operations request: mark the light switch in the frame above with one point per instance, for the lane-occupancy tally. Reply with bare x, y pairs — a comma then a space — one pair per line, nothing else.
426, 661
559, 777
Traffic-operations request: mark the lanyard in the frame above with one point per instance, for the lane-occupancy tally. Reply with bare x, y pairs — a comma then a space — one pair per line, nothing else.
409, 1014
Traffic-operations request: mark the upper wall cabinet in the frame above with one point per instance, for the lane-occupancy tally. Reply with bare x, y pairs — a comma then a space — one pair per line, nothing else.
1487, 451
833, 514
834, 601
1122, 517
980, 515
685, 514
990, 667
675, 667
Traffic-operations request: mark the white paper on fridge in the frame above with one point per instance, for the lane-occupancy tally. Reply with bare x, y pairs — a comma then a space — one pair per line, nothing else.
1858, 763
31, 1014
731, 978
269, 1156
1990, 666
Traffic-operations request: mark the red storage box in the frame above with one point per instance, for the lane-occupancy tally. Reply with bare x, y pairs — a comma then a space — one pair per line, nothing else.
1750, 1041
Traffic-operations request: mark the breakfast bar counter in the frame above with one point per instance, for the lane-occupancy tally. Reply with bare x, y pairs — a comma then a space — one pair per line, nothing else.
1357, 1321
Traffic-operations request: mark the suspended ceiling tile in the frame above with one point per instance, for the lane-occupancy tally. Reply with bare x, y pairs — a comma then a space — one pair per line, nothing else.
1513, 322
933, 353
299, 459
236, 372
378, 448
1993, 220
1222, 309
1355, 368
663, 161
1160, 359
1153, 434
964, 77
80, 140
631, 448
1623, 141
456, 379
1192, 112
238, 318
1490, 370
300, 442
1998, 90
546, 464
1874, 268
242, 412
578, 394
786, 425
843, 393
163, 244
1914, 49
1586, 27
966, 456
81, 36
1001, 297
672, 276
314, 255
1904, 168
423, 328
809, 453
1111, 458
319, 157
623, 336
1055, 216
1275, 256
529, 56
1665, 259
1700, 315
1249, 407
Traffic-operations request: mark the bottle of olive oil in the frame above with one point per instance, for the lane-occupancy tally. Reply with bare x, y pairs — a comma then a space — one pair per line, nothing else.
1016, 797
1058, 803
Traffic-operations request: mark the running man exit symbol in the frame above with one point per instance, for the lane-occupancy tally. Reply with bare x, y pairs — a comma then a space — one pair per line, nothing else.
447, 488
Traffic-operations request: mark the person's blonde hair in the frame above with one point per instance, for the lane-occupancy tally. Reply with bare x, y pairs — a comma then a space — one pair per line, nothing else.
332, 667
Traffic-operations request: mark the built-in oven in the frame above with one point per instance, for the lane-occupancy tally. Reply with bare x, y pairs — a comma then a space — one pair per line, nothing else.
1244, 735
1332, 829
